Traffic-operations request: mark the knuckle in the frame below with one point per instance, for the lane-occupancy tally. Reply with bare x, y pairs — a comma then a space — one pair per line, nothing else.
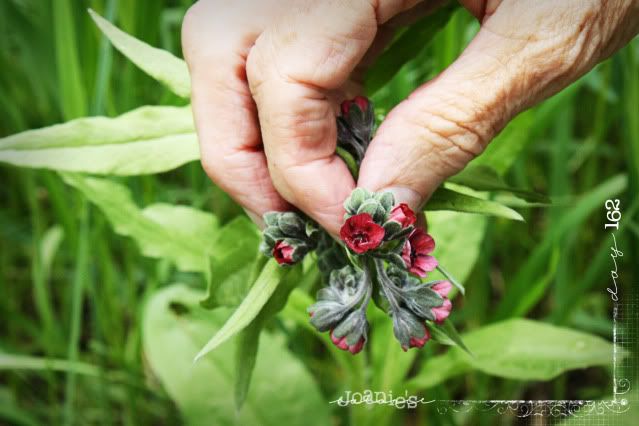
454, 135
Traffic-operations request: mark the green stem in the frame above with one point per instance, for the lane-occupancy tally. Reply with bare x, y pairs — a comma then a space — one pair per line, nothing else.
79, 277
349, 160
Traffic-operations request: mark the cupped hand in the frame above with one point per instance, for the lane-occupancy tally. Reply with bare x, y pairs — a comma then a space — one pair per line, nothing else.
268, 76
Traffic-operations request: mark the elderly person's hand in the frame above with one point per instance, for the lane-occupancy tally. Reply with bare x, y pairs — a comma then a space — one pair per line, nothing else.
268, 76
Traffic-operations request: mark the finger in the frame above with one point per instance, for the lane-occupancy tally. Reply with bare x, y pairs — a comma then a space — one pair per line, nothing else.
447, 122
224, 111
292, 69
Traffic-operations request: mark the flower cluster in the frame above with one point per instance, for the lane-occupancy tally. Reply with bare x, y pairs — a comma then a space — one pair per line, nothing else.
341, 308
288, 237
381, 251
374, 223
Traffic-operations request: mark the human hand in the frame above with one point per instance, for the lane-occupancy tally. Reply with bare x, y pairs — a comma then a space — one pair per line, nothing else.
273, 72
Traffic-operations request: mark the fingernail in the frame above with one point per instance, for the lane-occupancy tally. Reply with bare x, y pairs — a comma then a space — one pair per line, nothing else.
405, 195
256, 219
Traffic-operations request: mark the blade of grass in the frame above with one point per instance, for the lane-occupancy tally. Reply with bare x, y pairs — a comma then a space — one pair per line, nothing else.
514, 303
72, 92
81, 274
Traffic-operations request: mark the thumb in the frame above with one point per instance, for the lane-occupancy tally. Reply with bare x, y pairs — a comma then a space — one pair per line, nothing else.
438, 129
521, 55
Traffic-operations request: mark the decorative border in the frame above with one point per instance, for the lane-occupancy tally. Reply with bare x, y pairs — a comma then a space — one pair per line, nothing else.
561, 408
551, 407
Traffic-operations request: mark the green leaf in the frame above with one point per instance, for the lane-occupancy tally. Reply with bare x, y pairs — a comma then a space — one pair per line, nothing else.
447, 199
70, 78
175, 327
248, 340
180, 234
250, 307
406, 47
518, 349
458, 237
143, 141
485, 178
447, 334
157, 63
234, 250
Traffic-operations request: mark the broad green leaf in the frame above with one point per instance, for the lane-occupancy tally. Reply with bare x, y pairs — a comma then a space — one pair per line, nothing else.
518, 349
248, 340
447, 199
158, 63
406, 47
234, 250
175, 327
527, 287
145, 140
458, 238
250, 307
180, 234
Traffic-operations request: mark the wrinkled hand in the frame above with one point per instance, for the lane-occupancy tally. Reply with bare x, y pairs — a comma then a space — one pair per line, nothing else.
268, 76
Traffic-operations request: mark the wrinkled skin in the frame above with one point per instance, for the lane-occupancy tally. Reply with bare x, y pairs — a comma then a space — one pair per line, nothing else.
268, 77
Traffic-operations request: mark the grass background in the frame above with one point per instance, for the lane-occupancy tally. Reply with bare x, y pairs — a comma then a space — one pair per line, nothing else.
73, 290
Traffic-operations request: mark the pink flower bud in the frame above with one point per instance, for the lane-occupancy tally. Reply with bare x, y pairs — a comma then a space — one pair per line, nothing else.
403, 215
442, 288
360, 101
442, 312
283, 253
416, 253
420, 342
340, 342
361, 233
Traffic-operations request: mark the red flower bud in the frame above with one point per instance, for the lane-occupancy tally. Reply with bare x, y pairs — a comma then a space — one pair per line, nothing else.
442, 312
361, 233
403, 215
283, 253
360, 101
420, 342
416, 253
442, 288
340, 342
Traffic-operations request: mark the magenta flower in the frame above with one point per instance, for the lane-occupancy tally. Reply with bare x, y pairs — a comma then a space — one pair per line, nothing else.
442, 288
341, 343
360, 101
283, 253
442, 312
416, 253
403, 215
361, 233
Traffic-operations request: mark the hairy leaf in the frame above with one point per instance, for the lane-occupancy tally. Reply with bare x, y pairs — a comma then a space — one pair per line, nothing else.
447, 199
158, 63
250, 307
143, 141
248, 340
518, 349
180, 234
234, 250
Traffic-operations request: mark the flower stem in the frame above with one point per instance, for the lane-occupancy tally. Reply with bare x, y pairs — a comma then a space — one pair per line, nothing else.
387, 285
